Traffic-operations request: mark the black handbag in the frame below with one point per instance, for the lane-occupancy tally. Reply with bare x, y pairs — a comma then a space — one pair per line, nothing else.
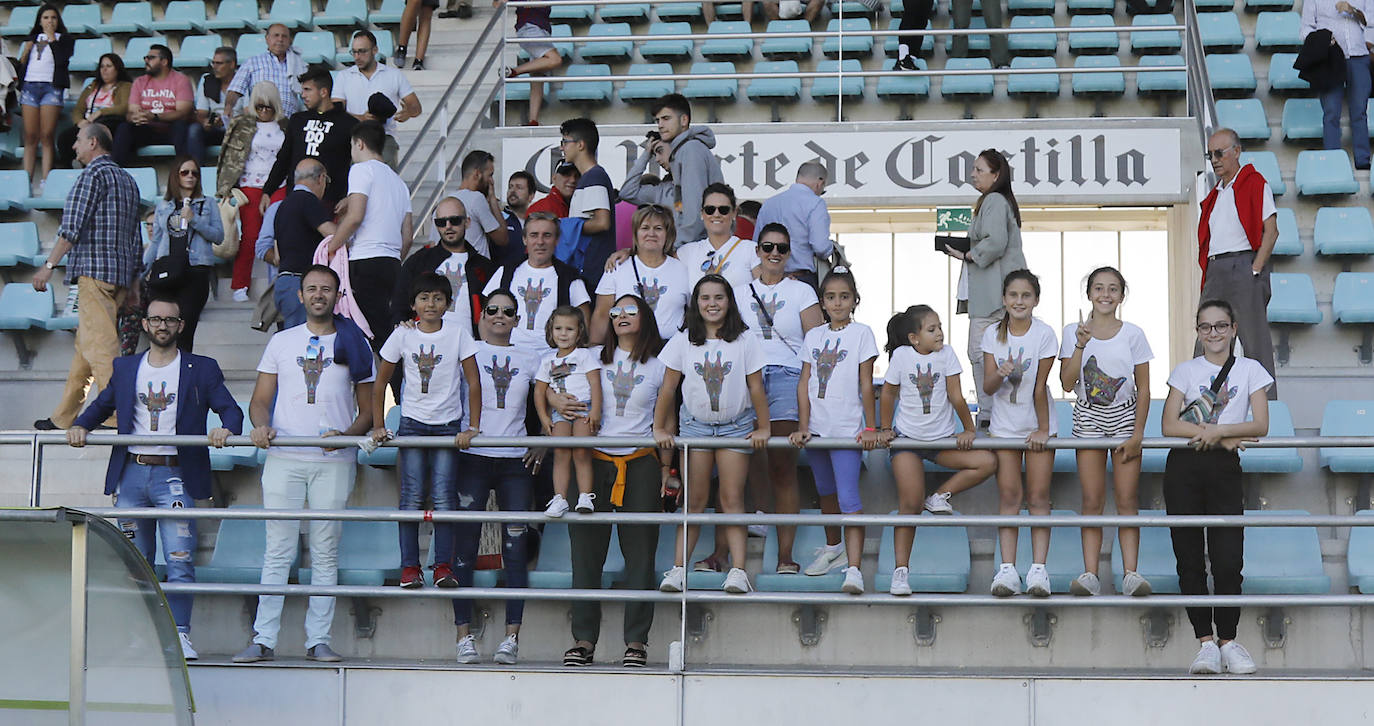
168, 273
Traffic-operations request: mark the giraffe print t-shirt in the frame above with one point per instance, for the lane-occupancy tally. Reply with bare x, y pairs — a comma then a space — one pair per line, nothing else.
536, 295
664, 287
1013, 406
155, 404
314, 392
629, 390
1107, 375
433, 368
924, 412
773, 313
506, 373
713, 387
833, 388
1231, 403
568, 373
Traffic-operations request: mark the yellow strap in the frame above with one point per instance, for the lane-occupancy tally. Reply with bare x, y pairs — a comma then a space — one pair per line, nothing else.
621, 467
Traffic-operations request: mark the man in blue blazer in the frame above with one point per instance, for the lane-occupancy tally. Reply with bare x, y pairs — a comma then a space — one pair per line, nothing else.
163, 392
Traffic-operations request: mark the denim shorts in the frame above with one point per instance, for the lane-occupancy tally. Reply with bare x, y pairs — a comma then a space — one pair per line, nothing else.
534, 31
925, 454
739, 428
38, 93
557, 417
781, 384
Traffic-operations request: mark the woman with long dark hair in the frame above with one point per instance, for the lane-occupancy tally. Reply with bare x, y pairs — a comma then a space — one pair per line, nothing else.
104, 101
181, 259
43, 81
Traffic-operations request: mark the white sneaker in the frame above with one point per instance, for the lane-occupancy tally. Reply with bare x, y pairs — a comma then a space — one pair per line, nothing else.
507, 651
938, 503
558, 506
1007, 582
1038, 581
189, 653
467, 650
1208, 660
827, 558
1086, 585
900, 584
737, 582
674, 580
1135, 585
241, 295
1236, 659
584, 503
853, 581
758, 530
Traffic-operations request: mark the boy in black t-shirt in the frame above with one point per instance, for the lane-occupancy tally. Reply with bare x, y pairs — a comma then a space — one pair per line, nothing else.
593, 200
322, 131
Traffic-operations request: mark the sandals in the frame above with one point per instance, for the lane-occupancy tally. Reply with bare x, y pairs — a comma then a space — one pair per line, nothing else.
710, 564
788, 567
635, 658
576, 657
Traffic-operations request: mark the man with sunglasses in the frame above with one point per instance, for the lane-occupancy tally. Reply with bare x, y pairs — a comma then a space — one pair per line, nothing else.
802, 211
163, 392
161, 108
468, 271
212, 116
1236, 232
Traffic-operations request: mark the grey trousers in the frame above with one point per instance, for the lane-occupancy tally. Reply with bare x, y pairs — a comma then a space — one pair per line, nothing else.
1230, 279
962, 12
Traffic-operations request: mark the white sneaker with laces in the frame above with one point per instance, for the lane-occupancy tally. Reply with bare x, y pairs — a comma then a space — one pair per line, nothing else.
1007, 581
241, 295
853, 581
674, 580
737, 582
1038, 581
584, 503
467, 650
1236, 659
507, 651
1086, 585
1208, 660
189, 653
827, 558
1135, 585
938, 503
900, 585
558, 506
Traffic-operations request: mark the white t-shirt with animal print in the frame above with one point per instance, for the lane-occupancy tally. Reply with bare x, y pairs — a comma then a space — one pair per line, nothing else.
1231, 402
923, 412
714, 389
155, 403
833, 388
433, 367
568, 373
1107, 375
314, 392
629, 391
664, 287
1013, 406
536, 295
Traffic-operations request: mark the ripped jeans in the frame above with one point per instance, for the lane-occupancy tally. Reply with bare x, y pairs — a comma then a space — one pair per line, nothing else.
161, 486
477, 477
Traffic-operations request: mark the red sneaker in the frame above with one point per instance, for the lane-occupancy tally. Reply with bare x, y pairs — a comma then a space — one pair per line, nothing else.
412, 578
443, 576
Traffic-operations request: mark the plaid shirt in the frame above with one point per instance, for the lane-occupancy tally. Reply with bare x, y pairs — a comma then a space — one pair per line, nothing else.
101, 222
266, 67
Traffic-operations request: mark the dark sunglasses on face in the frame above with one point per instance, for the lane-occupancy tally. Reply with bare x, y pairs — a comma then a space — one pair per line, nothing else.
455, 220
712, 209
782, 247
624, 310
508, 311
189, 172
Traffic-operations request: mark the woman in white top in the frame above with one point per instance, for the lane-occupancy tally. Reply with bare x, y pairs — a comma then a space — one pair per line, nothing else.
1106, 362
250, 149
43, 89
1218, 401
651, 273
721, 253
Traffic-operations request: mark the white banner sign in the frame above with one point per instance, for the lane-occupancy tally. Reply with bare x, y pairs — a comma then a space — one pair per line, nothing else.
924, 167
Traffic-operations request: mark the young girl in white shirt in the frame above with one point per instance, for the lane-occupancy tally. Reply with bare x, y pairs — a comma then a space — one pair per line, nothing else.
1106, 363
720, 369
574, 370
1018, 354
921, 397
835, 400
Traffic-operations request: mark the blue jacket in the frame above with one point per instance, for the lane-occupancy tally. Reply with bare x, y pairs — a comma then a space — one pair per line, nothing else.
200, 389
206, 230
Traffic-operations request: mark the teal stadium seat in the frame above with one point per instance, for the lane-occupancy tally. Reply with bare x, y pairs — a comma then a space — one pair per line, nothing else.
480, 578
86, 54
808, 539
1148, 42
1231, 74
969, 86
389, 13
1110, 85
1286, 460
725, 48
848, 45
369, 554
904, 86
636, 13
1302, 119
343, 14
711, 89
1359, 555
891, 46
775, 90
182, 16
1152, 460
1065, 460
1288, 244
1246, 116
786, 48
828, 87
1323, 171
588, 91
55, 189
554, 568
1283, 560
18, 243
21, 21
209, 178
136, 48
667, 50
1099, 43
1343, 231
384, 457
849, 7
82, 19
239, 549
229, 457
1030, 7
646, 91
316, 46
250, 44
1277, 31
517, 90
1213, 6
235, 15
1156, 561
1033, 44
128, 19
197, 50
1350, 418
571, 13
980, 44
1220, 32
678, 12
1260, 5
1267, 164
22, 308
665, 556
1352, 298
1162, 83
1065, 561
1091, 7
1283, 77
14, 189
940, 559
146, 179
607, 50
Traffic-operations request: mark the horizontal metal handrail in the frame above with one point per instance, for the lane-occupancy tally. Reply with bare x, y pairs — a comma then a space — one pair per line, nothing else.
1058, 70
875, 33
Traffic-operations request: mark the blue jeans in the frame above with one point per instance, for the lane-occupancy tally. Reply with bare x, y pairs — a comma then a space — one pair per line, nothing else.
1356, 94
161, 486
427, 473
287, 294
480, 475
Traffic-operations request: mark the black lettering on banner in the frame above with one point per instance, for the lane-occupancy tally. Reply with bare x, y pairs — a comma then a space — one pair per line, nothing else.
771, 168
748, 155
1028, 152
922, 164
1130, 168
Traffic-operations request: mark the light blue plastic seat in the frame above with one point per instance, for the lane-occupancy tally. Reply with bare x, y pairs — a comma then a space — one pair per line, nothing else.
848, 45
940, 559
1343, 231
235, 15
209, 177
1283, 560
1220, 32
1302, 119
1030, 7
22, 307
669, 50
156, 151
1259, 5
1152, 460
1091, 7
86, 54
727, 49
607, 50
344, 14
249, 45
1231, 73
55, 189
1350, 418
1098, 84
14, 189
571, 13
1156, 561
20, 22
891, 46
517, 90
229, 457
851, 8
1039, 84
1283, 77
1352, 298
1100, 43
385, 456
1275, 461
644, 91
136, 48
772, 90
1162, 83
1359, 556
197, 50
1065, 460
784, 48
1294, 300
239, 549
1028, 44
316, 46
1246, 116
369, 554
706, 89
827, 87
589, 91
1146, 42
1065, 561
808, 539
554, 569
129, 18
979, 44
183, 16
82, 19
1215, 6
389, 13
1325, 171
1278, 31
678, 12
665, 555
18, 243
637, 13
565, 49
904, 86
1288, 244
1267, 164
970, 86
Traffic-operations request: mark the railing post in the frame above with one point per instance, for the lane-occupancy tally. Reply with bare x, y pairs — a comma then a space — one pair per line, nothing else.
686, 557
501, 72
76, 678
35, 471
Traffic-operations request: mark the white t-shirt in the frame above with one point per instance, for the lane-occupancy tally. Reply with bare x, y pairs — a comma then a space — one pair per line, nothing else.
41, 66
924, 412
1108, 373
1227, 233
1013, 407
664, 287
713, 385
777, 322
506, 373
833, 387
355, 88
568, 374
155, 404
536, 295
1194, 379
262, 154
314, 393
735, 262
388, 203
629, 392
455, 268
480, 220
433, 365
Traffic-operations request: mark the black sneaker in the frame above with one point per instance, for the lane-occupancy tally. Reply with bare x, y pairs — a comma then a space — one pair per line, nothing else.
45, 424
464, 10
906, 63
399, 56
419, 64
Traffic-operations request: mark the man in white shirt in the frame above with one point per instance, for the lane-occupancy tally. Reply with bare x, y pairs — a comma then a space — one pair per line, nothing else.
355, 85
486, 224
376, 226
540, 284
1347, 21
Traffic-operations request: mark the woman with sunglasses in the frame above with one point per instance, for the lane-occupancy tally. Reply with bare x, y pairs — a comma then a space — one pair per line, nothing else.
721, 253
652, 273
186, 226
250, 149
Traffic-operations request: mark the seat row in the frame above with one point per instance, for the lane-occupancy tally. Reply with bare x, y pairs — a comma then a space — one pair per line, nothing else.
195, 51
1302, 119
189, 16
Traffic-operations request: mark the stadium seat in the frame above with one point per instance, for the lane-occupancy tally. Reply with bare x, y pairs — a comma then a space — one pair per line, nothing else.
969, 86
1033, 44
727, 49
667, 50
607, 50
21, 21
1231, 74
665, 555
14, 189
480, 578
678, 12
808, 539
1288, 244
1283, 77
1260, 5
1246, 116
1267, 164
18, 243
55, 189
385, 456
239, 548
343, 14
1352, 298
209, 177
182, 16
1350, 418
712, 89
565, 49
1100, 43
588, 91
979, 44
1292, 301
86, 54
636, 13
229, 457
235, 15
786, 48
1283, 560
1325, 172
197, 50
1098, 85
1278, 31
1220, 32
249, 45
316, 46
571, 13
129, 18
137, 47
1277, 461
775, 90
1065, 561
1155, 560
904, 87
850, 8
829, 87
1033, 88
81, 19
1030, 7
389, 13
369, 554
1302, 119
22, 308
940, 559
891, 46
1359, 555
517, 90
646, 91
1152, 460
1213, 6
848, 45
1065, 460
554, 568
1162, 84
1092, 7
1343, 231
1146, 42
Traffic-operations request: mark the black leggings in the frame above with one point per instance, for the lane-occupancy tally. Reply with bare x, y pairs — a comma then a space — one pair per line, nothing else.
916, 17
1207, 482
195, 291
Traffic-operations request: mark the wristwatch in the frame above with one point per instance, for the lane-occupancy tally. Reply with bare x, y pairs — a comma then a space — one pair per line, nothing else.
49, 266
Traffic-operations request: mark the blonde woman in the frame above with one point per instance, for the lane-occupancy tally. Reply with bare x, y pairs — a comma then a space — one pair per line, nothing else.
250, 149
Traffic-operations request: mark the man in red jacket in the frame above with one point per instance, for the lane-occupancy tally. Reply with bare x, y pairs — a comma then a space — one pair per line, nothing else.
1236, 233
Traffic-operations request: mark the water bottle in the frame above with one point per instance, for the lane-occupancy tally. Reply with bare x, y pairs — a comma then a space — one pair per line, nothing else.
672, 490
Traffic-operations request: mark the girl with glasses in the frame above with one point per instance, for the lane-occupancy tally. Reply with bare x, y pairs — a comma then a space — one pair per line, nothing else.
652, 273
181, 258
250, 149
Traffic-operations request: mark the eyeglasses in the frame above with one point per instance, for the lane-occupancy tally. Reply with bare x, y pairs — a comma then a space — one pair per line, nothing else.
158, 321
782, 247
151, 56
189, 172
1217, 154
1204, 328
363, 51
564, 142
264, 107
506, 310
455, 220
624, 310
711, 209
